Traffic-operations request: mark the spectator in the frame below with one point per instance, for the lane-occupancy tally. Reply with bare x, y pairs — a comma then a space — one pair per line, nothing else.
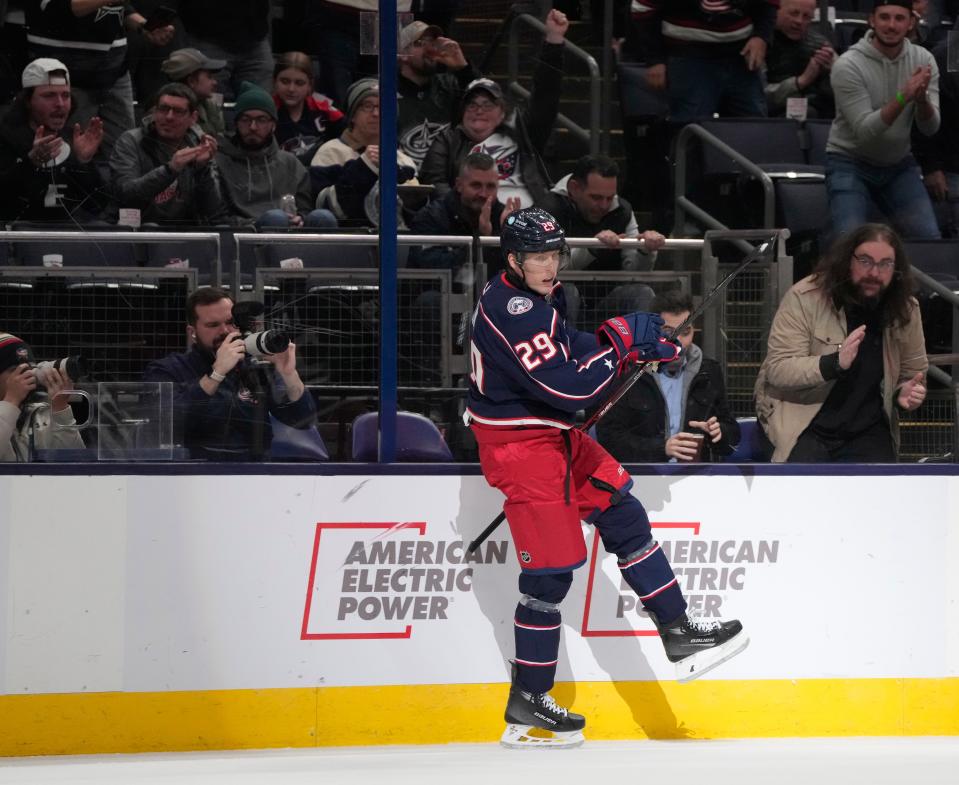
846, 348
143, 58
237, 31
708, 55
221, 401
255, 173
882, 84
513, 143
333, 29
938, 155
585, 204
47, 166
345, 171
89, 36
679, 414
304, 119
13, 48
197, 71
428, 98
164, 167
18, 381
799, 61
471, 208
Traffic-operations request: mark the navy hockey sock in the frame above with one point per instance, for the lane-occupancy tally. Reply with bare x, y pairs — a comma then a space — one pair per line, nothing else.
537, 627
650, 575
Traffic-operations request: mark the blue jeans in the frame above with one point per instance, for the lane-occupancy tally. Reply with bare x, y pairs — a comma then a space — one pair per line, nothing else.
315, 219
699, 88
897, 191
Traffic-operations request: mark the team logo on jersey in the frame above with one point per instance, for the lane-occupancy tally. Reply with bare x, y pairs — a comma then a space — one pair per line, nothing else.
524, 555
519, 305
112, 10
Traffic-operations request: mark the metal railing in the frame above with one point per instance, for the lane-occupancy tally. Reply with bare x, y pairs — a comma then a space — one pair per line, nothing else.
592, 135
684, 205
110, 238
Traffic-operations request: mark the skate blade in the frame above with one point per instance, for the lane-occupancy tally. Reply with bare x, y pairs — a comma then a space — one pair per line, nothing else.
528, 737
703, 662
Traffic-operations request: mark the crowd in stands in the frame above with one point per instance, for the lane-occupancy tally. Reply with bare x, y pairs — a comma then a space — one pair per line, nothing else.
184, 113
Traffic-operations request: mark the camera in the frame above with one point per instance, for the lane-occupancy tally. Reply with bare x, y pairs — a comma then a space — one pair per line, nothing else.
262, 343
73, 366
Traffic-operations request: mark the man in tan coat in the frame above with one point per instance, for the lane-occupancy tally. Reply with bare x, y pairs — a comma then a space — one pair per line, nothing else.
845, 349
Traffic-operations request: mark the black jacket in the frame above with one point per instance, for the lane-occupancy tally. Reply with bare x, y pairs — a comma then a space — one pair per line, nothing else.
940, 152
424, 111
445, 216
234, 24
64, 191
618, 219
531, 131
635, 429
227, 425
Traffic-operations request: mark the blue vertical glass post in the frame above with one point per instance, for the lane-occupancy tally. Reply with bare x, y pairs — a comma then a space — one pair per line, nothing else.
388, 229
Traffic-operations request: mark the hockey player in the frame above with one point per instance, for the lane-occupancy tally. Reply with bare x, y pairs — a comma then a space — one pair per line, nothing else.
530, 375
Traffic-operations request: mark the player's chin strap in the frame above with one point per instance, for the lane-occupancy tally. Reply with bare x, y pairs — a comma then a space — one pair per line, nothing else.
642, 368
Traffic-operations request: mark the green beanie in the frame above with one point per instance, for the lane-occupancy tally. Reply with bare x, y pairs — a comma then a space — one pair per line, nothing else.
253, 97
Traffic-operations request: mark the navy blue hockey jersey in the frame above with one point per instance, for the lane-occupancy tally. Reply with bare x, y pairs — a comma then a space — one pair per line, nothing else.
528, 367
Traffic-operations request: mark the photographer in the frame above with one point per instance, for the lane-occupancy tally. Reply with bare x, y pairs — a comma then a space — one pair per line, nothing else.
222, 401
18, 381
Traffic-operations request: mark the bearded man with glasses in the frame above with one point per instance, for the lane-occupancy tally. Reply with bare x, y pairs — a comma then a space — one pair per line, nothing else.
846, 353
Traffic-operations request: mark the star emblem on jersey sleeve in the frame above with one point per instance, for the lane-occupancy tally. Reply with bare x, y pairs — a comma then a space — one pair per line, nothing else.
608, 363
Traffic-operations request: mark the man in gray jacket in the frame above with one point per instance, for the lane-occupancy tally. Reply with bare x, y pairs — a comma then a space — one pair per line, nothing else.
882, 86
165, 168
263, 184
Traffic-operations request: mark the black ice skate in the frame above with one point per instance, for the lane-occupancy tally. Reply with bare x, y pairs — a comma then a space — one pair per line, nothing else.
536, 721
696, 646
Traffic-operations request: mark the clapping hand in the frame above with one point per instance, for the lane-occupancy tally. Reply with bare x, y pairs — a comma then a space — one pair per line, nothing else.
912, 393
86, 141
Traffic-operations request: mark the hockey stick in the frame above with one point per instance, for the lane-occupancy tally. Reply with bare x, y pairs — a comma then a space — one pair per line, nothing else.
641, 369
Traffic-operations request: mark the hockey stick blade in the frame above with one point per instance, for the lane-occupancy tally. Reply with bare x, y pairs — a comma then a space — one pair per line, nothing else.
643, 368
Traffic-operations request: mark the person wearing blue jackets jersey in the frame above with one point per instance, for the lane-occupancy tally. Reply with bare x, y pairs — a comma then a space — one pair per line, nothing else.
530, 375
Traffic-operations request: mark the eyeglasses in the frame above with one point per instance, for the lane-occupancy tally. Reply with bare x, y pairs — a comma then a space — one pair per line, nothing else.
868, 264
252, 121
368, 106
176, 111
481, 106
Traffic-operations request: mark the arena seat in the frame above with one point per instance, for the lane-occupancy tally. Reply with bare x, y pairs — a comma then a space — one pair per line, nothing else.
753, 445
802, 206
417, 438
817, 132
296, 444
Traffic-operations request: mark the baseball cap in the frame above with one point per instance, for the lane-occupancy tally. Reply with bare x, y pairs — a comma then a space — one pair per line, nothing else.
486, 85
183, 62
414, 31
38, 73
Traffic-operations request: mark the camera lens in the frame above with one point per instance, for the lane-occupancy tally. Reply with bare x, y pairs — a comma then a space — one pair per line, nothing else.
266, 342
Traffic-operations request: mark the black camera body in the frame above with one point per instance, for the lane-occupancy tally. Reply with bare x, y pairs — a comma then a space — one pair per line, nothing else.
258, 343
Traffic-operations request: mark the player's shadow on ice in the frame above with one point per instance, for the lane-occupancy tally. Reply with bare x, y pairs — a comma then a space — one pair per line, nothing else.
619, 657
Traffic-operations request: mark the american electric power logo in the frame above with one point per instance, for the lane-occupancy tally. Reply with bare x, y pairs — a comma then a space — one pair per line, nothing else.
372, 580
708, 570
